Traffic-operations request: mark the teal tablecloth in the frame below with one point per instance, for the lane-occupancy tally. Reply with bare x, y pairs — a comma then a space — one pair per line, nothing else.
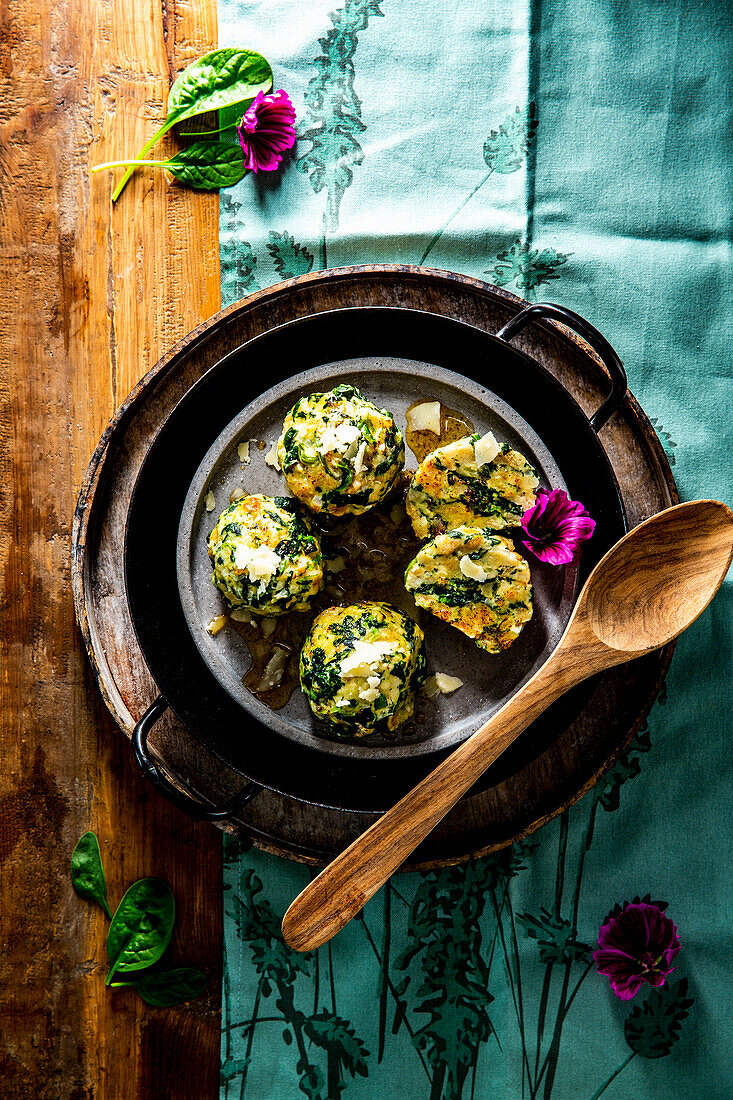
577, 151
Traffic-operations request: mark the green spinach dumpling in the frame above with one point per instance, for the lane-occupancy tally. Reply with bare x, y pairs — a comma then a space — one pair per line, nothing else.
265, 557
339, 453
360, 667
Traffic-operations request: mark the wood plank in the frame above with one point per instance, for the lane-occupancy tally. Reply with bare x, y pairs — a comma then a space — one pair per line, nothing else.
92, 297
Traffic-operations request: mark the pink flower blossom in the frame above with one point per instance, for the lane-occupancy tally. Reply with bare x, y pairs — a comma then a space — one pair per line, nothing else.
555, 527
636, 945
267, 130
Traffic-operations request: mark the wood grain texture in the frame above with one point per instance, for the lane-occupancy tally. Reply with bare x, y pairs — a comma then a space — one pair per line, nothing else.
484, 822
91, 299
644, 592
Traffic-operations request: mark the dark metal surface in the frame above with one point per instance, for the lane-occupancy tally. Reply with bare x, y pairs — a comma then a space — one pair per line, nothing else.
599, 343
488, 682
152, 771
197, 698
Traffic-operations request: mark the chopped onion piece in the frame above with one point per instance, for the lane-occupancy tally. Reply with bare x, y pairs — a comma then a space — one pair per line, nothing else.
216, 625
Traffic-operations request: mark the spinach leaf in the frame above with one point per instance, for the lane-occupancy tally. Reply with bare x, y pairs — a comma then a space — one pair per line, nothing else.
218, 80
455, 593
142, 926
208, 165
87, 872
222, 78
168, 987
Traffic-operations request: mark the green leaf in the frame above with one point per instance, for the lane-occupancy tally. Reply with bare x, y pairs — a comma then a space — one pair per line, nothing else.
626, 767
506, 148
289, 257
219, 80
334, 109
208, 165
141, 928
526, 267
337, 1036
232, 1068
87, 872
555, 937
168, 987
222, 78
444, 934
653, 1027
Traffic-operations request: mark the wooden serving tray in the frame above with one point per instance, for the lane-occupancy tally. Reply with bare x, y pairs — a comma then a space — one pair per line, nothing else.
581, 753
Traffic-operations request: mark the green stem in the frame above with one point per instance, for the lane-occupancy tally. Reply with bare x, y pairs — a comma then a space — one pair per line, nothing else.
115, 964
578, 984
124, 163
562, 848
141, 155
394, 993
254, 1020
613, 1076
384, 969
510, 975
544, 998
550, 1065
520, 999
226, 1011
210, 133
118, 960
434, 240
331, 979
250, 1038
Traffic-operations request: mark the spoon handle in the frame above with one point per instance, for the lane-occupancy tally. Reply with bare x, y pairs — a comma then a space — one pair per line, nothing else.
342, 889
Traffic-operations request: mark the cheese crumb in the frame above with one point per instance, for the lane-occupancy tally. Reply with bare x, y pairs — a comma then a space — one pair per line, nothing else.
369, 694
271, 457
441, 684
210, 501
364, 658
335, 565
359, 460
274, 669
472, 570
446, 684
425, 417
260, 563
486, 449
338, 438
243, 452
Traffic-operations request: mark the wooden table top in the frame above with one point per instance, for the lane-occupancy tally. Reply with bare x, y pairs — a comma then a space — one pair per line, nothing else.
92, 296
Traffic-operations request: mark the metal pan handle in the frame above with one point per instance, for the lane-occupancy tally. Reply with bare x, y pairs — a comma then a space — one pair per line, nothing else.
205, 810
599, 343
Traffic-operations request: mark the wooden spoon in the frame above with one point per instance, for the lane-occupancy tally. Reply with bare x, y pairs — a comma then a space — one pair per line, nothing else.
647, 589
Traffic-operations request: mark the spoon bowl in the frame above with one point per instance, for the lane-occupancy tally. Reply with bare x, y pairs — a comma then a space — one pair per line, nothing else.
642, 595
648, 588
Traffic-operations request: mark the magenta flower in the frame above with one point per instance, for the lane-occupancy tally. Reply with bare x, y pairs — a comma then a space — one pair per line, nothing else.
636, 945
555, 527
267, 130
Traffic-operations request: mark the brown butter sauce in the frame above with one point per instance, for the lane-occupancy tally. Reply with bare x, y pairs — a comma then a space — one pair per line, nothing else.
453, 426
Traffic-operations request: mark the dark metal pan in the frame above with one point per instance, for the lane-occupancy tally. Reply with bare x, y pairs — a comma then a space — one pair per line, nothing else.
395, 356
